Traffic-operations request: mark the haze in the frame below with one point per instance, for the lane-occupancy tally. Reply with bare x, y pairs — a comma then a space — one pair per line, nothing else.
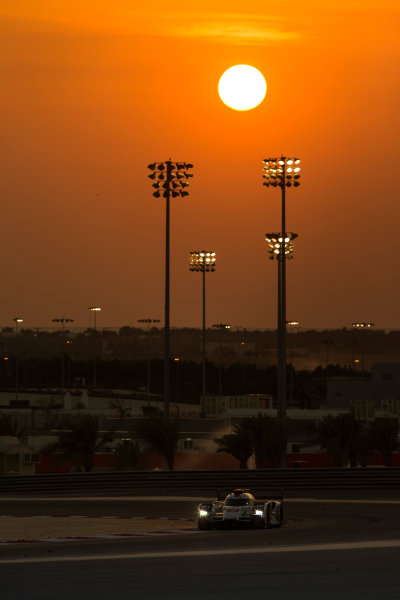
92, 92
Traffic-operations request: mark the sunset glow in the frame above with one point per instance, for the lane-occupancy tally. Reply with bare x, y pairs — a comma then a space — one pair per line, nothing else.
93, 92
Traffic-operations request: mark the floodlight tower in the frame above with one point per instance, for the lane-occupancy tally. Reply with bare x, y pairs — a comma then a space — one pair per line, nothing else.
220, 326
282, 172
291, 324
203, 261
62, 320
170, 179
279, 244
95, 310
17, 321
363, 326
149, 322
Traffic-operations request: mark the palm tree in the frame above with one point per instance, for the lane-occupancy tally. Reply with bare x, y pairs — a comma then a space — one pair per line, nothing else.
384, 435
340, 436
9, 426
267, 439
78, 441
162, 435
128, 457
238, 444
121, 407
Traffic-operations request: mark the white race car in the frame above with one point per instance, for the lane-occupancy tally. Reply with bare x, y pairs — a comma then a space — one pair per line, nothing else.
241, 508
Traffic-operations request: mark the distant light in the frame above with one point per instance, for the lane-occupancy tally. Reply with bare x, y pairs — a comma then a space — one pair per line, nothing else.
202, 260
221, 326
276, 241
279, 172
363, 325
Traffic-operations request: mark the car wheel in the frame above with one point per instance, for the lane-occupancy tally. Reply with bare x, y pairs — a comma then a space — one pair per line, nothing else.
268, 519
203, 524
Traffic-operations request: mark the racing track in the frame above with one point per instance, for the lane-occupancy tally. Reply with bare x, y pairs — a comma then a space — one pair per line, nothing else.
217, 564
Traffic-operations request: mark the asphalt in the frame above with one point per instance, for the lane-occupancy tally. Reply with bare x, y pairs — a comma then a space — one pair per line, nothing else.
330, 548
290, 574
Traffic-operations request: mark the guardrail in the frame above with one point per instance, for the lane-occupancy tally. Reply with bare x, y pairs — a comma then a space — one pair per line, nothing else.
205, 483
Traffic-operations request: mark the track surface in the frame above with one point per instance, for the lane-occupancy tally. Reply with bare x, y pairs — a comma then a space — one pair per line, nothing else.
218, 564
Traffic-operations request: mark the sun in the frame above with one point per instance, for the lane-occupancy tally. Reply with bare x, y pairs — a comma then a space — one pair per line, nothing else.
242, 87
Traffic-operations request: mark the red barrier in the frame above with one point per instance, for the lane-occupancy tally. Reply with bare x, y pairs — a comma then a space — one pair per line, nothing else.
186, 461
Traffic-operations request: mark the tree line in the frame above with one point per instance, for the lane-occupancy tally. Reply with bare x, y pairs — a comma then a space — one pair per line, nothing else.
186, 378
348, 440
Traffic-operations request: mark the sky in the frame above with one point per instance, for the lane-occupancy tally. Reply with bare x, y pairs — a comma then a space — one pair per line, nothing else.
92, 91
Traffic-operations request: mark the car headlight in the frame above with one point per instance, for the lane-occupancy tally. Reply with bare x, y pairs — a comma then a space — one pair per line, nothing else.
203, 513
259, 513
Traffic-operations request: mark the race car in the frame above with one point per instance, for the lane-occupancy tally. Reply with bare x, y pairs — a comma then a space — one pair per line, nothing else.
240, 508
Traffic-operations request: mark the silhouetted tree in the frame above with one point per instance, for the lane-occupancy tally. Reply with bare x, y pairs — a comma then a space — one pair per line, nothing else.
339, 436
238, 444
78, 441
384, 435
267, 439
9, 426
161, 435
128, 457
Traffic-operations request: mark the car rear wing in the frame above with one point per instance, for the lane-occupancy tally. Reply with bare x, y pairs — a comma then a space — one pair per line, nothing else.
261, 497
274, 498
265, 496
221, 497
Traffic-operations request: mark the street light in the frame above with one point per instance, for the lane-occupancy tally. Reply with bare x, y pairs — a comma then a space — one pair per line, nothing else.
282, 172
17, 321
95, 310
148, 322
170, 179
291, 324
62, 320
220, 326
203, 261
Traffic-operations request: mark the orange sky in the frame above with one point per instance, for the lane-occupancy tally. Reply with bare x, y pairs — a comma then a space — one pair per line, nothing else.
93, 91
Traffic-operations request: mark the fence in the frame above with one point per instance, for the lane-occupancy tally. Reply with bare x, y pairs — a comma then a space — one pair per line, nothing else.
202, 483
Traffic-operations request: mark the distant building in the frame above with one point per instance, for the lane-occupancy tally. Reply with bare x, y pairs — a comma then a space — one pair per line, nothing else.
367, 396
17, 458
250, 405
